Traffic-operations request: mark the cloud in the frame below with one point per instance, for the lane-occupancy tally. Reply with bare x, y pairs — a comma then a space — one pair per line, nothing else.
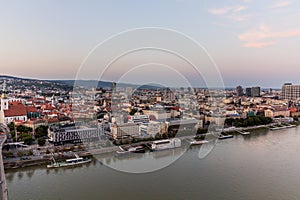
265, 37
281, 4
258, 44
220, 11
231, 12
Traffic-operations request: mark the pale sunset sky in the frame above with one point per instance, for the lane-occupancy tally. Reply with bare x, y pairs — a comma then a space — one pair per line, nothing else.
252, 42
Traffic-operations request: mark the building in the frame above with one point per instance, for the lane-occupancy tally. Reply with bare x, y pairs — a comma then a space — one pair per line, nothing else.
72, 134
16, 111
3, 103
253, 92
239, 91
277, 112
248, 92
290, 91
151, 128
119, 131
138, 118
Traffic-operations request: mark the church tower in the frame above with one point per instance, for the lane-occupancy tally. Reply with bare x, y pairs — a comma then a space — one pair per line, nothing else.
4, 103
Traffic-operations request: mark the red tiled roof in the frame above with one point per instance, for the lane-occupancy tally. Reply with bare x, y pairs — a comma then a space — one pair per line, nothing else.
51, 120
15, 109
31, 109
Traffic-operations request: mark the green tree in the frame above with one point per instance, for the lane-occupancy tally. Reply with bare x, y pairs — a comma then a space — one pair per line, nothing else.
29, 153
41, 131
41, 141
133, 111
24, 129
27, 138
48, 151
9, 154
20, 153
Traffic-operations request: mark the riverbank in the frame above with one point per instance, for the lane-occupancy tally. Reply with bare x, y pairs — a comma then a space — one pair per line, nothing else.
254, 128
19, 163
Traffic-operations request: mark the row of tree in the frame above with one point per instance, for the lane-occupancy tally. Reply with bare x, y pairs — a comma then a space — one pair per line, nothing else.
25, 134
249, 121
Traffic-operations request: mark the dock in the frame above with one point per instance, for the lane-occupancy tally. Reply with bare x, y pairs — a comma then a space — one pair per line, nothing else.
223, 137
243, 132
281, 127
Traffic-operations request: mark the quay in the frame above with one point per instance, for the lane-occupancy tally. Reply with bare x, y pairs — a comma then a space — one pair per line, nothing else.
3, 186
281, 127
243, 132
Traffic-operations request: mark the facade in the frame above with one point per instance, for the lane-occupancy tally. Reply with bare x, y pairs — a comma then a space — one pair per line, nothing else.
151, 128
34, 123
138, 118
290, 91
248, 92
239, 91
73, 134
277, 112
125, 130
16, 111
253, 92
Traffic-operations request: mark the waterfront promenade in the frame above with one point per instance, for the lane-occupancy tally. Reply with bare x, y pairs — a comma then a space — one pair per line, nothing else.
2, 173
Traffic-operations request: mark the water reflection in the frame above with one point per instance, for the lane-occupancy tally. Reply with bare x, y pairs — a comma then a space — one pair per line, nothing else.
264, 165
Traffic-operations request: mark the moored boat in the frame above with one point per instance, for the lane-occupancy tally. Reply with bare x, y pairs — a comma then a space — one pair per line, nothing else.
198, 142
165, 144
222, 137
69, 162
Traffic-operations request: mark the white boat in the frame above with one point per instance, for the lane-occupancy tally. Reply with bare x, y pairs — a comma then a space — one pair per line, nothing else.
244, 133
69, 162
198, 142
222, 137
137, 149
165, 144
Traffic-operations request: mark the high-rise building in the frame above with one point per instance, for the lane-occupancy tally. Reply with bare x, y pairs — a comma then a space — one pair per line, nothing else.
239, 91
290, 91
248, 92
255, 91
113, 86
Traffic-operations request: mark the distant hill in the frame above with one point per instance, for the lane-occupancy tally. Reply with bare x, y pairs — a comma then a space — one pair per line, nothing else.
65, 84
22, 83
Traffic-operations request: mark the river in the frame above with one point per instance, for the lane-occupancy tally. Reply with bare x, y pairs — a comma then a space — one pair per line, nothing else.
264, 165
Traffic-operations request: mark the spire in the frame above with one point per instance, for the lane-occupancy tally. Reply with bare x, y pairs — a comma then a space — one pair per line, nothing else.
3, 96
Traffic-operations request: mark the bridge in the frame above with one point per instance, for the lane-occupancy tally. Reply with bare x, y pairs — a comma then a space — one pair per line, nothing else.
4, 129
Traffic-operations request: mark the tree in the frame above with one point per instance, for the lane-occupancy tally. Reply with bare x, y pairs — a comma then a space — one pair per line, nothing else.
27, 138
9, 154
133, 111
29, 153
24, 129
20, 153
48, 151
56, 150
41, 131
41, 141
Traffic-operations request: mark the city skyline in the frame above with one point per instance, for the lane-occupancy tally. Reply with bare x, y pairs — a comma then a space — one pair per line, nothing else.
252, 43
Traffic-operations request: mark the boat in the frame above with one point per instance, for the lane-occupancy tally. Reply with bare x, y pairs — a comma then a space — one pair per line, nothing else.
137, 149
282, 127
244, 133
223, 137
69, 162
198, 142
165, 144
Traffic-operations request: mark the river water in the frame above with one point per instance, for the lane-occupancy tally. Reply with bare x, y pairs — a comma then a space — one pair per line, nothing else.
264, 165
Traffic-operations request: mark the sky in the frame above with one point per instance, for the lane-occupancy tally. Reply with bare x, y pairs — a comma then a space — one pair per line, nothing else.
251, 42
